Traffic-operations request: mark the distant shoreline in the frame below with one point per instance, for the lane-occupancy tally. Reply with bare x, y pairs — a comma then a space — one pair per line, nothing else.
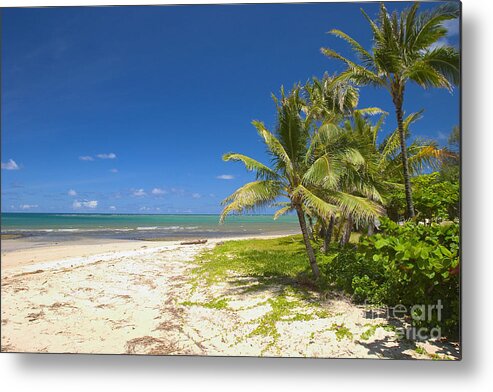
24, 251
43, 227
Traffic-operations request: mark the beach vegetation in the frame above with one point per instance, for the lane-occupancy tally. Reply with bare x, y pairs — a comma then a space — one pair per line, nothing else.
404, 264
378, 213
405, 49
309, 165
341, 332
217, 303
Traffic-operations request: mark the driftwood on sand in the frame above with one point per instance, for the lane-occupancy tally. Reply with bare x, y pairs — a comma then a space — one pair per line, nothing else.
193, 242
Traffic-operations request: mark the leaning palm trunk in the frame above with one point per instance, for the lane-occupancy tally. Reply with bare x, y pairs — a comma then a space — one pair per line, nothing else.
328, 234
310, 228
348, 227
308, 245
405, 163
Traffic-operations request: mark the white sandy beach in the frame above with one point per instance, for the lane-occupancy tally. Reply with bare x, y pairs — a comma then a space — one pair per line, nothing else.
128, 297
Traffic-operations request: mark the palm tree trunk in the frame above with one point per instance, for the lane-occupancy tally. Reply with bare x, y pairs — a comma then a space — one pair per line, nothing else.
371, 228
398, 100
308, 245
328, 233
348, 227
310, 228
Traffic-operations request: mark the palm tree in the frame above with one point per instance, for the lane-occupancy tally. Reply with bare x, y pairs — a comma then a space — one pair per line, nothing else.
358, 180
328, 102
405, 48
304, 171
383, 163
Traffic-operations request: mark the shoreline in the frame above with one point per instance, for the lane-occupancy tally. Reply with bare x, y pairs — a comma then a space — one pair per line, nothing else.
22, 252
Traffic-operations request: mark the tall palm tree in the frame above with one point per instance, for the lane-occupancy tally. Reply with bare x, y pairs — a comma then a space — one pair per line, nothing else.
302, 172
405, 48
383, 163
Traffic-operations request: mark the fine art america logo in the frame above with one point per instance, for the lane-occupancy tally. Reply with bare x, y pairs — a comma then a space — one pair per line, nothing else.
420, 314
408, 322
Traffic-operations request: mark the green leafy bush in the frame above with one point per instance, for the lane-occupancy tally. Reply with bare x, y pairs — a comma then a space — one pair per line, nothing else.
406, 264
433, 199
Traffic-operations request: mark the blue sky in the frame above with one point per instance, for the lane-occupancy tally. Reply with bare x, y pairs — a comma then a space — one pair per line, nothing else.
129, 109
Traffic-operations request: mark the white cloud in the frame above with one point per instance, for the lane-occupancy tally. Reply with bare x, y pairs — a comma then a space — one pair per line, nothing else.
177, 191
86, 158
111, 155
28, 206
85, 204
72, 192
139, 192
144, 208
452, 26
196, 195
112, 208
114, 170
158, 191
438, 44
225, 177
10, 165
442, 136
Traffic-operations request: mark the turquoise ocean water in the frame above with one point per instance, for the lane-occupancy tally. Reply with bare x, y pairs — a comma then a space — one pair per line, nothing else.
122, 226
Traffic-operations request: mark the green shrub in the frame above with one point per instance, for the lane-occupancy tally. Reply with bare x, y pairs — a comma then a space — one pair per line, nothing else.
410, 264
433, 199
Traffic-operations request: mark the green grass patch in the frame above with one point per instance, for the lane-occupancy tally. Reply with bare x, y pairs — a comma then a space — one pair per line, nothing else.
221, 303
271, 258
291, 305
342, 332
421, 350
435, 357
370, 331
281, 259
279, 264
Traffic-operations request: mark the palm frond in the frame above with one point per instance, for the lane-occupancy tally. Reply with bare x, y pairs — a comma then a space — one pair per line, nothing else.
364, 55
426, 76
390, 147
374, 111
313, 202
445, 61
282, 211
262, 171
426, 156
250, 196
428, 27
324, 172
274, 146
361, 77
361, 208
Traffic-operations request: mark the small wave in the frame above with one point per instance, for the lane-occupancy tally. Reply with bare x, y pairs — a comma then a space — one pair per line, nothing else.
28, 230
166, 228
